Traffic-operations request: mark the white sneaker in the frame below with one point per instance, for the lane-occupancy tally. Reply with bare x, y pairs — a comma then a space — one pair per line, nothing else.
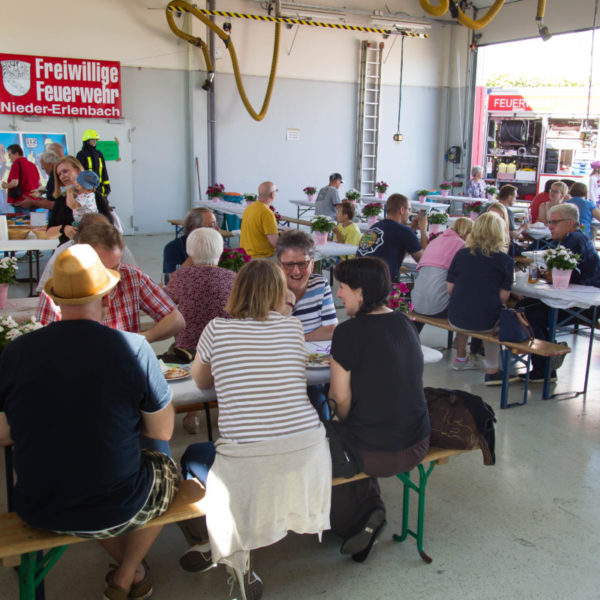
467, 365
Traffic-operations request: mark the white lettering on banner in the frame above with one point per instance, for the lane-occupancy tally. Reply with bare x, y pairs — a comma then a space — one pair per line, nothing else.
58, 110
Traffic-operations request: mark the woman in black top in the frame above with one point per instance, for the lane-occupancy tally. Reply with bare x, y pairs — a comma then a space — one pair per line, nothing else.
377, 383
60, 219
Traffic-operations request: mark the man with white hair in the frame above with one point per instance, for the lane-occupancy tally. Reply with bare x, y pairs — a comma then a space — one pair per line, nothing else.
76, 419
563, 222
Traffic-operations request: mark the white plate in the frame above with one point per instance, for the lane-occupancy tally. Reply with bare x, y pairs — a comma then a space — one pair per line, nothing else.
186, 368
317, 364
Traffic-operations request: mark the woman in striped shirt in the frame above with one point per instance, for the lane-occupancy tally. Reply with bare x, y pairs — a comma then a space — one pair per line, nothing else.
257, 362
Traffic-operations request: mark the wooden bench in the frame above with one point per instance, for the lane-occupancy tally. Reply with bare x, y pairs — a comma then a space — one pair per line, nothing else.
295, 221
511, 352
435, 456
21, 544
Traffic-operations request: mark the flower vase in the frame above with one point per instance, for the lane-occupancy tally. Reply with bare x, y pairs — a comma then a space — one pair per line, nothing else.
473, 215
321, 238
422, 199
216, 199
3, 294
561, 278
372, 220
310, 197
435, 228
445, 193
490, 197
380, 195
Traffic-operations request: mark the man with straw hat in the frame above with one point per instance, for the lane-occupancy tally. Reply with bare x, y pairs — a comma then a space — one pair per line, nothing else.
75, 418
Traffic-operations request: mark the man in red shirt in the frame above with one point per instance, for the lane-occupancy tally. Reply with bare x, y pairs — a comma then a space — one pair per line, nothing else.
23, 173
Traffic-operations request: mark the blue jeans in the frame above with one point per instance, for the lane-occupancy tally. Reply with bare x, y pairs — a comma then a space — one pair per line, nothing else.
197, 461
317, 394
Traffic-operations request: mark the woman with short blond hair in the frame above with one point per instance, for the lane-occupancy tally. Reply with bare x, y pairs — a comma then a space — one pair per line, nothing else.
479, 282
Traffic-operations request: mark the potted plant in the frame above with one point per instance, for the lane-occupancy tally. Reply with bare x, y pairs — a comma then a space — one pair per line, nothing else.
381, 187
310, 192
422, 194
445, 187
436, 221
563, 262
491, 191
372, 211
250, 198
321, 226
277, 215
8, 270
10, 329
352, 195
215, 191
398, 299
233, 259
474, 209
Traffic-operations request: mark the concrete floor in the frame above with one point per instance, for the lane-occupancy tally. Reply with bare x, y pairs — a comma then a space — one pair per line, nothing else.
526, 528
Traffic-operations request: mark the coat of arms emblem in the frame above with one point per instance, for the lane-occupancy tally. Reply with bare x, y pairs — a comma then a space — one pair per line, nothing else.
16, 77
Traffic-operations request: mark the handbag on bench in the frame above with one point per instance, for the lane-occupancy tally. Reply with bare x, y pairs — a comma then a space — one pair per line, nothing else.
513, 326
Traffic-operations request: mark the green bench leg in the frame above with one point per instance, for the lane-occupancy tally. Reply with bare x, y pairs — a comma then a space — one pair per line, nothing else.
33, 571
409, 485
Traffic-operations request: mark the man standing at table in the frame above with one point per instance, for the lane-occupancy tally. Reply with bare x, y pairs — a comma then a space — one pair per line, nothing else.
391, 238
328, 197
259, 232
76, 418
23, 178
563, 222
134, 292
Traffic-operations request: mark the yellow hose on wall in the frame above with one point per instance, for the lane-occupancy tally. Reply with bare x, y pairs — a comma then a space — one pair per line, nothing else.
438, 11
182, 6
541, 9
435, 11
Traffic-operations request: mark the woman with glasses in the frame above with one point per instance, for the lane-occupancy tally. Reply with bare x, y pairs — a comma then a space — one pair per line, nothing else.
556, 196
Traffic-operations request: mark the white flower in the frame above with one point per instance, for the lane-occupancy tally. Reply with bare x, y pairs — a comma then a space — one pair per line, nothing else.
12, 334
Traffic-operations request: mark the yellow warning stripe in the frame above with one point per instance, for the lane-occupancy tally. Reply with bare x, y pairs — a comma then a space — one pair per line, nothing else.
291, 21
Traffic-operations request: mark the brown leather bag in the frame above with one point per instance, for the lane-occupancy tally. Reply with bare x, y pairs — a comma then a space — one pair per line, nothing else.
460, 420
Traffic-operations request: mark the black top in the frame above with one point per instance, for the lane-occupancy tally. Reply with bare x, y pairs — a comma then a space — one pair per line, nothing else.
475, 300
93, 160
383, 354
75, 421
174, 254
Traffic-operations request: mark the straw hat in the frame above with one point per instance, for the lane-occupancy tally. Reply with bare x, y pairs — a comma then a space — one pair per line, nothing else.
80, 277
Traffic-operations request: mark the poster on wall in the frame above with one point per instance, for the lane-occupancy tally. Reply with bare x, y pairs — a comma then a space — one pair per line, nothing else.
33, 145
60, 87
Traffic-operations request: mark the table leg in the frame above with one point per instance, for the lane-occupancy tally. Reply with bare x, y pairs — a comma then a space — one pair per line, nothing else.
589, 356
548, 367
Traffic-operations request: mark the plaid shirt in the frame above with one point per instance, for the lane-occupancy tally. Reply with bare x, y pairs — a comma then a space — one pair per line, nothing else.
134, 292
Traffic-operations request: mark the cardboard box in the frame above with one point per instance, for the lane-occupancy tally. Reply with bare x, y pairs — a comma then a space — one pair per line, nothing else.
525, 175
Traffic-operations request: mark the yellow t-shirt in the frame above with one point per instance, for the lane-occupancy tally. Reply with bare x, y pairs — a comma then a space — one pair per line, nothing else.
350, 235
258, 221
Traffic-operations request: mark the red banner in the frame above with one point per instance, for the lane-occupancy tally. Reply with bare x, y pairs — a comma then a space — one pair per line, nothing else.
60, 87
508, 102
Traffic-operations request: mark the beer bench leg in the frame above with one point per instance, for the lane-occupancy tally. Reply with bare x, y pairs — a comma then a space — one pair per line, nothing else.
34, 567
508, 361
419, 488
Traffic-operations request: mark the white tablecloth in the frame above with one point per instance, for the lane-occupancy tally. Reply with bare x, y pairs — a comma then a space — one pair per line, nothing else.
427, 206
15, 245
331, 249
463, 199
581, 296
304, 203
21, 309
222, 206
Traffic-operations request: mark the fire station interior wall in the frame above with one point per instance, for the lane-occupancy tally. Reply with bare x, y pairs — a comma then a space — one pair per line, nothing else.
315, 92
516, 21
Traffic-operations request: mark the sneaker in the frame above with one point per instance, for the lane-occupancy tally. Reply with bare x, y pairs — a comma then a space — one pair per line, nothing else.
496, 378
249, 585
537, 376
367, 536
465, 365
197, 559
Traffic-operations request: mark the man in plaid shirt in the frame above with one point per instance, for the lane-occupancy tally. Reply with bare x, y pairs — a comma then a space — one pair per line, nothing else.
134, 291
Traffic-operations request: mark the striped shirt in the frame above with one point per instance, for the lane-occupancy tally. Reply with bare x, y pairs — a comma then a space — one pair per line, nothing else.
315, 309
259, 369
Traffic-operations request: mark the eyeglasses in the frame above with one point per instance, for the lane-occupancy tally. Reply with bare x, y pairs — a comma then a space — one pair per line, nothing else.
273, 191
302, 265
557, 221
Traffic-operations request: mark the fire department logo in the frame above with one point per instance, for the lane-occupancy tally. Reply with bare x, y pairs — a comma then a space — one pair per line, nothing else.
370, 241
16, 77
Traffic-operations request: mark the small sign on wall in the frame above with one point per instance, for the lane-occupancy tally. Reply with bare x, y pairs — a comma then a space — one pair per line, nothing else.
292, 135
60, 87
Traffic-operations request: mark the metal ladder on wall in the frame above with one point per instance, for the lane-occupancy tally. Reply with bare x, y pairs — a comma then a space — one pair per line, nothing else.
367, 129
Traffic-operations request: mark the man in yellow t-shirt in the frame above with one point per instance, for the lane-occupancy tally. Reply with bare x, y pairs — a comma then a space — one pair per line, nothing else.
259, 233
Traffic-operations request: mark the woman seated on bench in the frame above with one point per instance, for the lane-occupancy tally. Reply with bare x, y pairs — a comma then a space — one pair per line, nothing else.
479, 282
270, 469
377, 384
429, 294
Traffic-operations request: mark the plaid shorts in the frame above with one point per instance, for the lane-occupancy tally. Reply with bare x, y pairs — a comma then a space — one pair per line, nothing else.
164, 487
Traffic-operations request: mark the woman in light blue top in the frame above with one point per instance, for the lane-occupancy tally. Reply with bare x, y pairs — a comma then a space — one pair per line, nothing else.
587, 209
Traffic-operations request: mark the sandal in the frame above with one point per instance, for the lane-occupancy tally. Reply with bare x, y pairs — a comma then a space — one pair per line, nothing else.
138, 591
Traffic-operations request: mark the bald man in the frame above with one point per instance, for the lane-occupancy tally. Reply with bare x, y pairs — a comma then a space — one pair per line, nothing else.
259, 232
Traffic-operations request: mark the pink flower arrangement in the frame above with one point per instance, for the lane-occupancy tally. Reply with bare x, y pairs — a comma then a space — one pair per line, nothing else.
476, 207
372, 209
398, 299
381, 187
215, 191
310, 191
277, 215
234, 259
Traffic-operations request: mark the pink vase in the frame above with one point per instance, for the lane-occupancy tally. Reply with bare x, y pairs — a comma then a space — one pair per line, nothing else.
435, 228
216, 199
473, 215
422, 199
321, 238
372, 220
445, 193
310, 197
3, 294
561, 278
380, 195
490, 197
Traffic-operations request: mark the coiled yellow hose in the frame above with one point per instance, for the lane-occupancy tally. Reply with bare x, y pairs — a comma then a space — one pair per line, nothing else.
438, 11
182, 6
435, 11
